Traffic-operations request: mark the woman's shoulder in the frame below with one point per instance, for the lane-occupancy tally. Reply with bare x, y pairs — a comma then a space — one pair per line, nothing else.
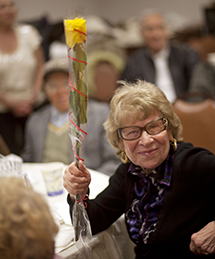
185, 147
121, 173
28, 32
25, 29
189, 157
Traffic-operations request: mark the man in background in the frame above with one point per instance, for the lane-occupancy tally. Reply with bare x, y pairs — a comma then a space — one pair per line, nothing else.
167, 65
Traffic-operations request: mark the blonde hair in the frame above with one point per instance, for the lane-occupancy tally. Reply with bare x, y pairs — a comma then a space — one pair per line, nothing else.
127, 103
27, 228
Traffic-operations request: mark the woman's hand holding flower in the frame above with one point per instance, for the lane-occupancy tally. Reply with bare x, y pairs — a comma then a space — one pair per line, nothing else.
76, 180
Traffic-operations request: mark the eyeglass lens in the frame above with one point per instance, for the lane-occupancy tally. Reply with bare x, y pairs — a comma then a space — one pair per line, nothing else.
152, 128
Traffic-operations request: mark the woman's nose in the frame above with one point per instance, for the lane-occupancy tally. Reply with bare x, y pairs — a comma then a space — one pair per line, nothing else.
145, 138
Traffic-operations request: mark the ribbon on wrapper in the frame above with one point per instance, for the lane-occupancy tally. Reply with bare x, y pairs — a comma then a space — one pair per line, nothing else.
76, 38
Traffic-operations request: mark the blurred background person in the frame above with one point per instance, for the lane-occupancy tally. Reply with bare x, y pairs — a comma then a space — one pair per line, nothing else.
167, 65
47, 130
27, 228
21, 62
203, 77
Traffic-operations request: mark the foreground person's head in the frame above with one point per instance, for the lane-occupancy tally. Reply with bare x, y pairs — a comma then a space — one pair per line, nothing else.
27, 228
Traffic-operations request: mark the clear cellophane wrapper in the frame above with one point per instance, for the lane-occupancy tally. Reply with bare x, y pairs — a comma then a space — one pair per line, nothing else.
76, 39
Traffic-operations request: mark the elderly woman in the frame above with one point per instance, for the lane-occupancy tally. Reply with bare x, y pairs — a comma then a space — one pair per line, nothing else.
164, 186
27, 228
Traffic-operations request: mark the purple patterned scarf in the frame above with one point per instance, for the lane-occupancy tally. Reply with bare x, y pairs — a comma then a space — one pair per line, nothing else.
149, 191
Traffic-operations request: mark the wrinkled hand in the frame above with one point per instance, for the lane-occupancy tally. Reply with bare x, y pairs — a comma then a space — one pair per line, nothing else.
203, 242
76, 180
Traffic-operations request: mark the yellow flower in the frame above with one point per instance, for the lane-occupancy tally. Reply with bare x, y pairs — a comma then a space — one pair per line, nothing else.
75, 31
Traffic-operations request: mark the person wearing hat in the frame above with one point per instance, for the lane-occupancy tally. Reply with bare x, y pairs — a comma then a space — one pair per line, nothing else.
47, 130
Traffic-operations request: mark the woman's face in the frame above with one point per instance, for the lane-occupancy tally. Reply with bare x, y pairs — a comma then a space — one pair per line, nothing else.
7, 12
148, 151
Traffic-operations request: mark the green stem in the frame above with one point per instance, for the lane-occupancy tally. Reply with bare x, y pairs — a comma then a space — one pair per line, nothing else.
78, 196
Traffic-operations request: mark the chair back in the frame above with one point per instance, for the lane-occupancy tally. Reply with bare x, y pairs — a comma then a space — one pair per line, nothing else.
198, 121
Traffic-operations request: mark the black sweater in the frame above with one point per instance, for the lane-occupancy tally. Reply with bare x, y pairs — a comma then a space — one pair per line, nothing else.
188, 205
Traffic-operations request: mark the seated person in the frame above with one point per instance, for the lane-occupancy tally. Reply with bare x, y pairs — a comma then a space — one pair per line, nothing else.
164, 63
164, 186
203, 79
26, 225
47, 138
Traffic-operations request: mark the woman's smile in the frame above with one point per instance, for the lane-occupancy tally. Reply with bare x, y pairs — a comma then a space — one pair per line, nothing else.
148, 152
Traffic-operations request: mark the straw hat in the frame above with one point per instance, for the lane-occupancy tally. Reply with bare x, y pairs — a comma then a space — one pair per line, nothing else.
56, 65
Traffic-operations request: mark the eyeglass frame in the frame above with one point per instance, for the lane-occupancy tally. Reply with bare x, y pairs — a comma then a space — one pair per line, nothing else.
165, 123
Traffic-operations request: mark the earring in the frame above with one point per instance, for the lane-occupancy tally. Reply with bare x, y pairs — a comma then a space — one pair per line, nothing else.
174, 144
124, 157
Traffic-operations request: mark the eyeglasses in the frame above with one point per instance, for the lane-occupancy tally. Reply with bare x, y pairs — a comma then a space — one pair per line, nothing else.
53, 88
152, 128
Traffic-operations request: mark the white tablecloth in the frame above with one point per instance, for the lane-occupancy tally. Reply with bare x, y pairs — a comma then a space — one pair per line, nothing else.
113, 243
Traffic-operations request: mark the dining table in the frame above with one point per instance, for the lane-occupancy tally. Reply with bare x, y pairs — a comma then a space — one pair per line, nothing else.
113, 243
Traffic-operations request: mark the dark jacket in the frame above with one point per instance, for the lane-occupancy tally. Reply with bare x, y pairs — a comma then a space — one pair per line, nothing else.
188, 205
182, 60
